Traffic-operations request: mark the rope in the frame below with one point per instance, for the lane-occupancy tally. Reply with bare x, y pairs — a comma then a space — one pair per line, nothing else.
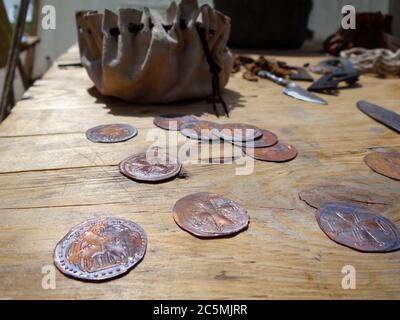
215, 70
382, 62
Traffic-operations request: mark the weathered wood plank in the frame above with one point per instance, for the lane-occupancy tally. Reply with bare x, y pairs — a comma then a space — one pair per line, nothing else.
318, 139
251, 265
52, 178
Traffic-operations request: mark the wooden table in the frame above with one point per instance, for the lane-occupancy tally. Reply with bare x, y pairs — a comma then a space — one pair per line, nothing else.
52, 178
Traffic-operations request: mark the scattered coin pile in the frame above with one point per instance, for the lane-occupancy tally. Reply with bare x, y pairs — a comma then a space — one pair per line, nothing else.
146, 167
104, 248
259, 144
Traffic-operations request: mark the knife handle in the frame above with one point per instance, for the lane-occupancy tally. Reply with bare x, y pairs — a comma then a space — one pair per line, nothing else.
274, 78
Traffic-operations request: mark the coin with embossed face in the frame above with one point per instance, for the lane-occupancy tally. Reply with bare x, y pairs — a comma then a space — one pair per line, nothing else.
385, 163
281, 152
111, 133
151, 167
100, 249
209, 215
173, 122
237, 132
358, 227
268, 139
200, 130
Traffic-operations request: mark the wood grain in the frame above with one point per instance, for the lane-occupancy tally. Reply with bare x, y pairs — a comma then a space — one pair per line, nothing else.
52, 178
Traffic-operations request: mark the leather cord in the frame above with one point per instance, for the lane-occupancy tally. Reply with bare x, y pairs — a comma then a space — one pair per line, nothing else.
215, 70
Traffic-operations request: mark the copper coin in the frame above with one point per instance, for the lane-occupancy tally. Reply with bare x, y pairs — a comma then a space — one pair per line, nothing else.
358, 228
281, 152
318, 196
268, 139
173, 122
209, 215
200, 130
237, 132
100, 249
150, 167
111, 133
385, 163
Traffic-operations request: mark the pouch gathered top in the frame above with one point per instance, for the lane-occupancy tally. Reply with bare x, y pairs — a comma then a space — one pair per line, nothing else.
148, 57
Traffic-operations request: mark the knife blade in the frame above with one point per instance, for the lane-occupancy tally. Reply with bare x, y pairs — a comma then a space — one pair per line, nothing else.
388, 118
292, 89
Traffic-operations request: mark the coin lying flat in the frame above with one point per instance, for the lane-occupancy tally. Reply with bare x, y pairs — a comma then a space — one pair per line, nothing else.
200, 130
358, 228
237, 132
111, 133
209, 215
385, 163
281, 152
319, 195
268, 139
150, 167
100, 249
173, 122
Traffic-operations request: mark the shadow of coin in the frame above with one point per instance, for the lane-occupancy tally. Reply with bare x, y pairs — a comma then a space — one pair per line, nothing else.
226, 236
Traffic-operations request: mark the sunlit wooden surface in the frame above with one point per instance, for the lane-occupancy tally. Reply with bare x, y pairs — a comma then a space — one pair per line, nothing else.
52, 178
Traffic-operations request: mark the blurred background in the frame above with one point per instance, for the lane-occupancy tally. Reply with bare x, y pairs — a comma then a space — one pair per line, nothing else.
321, 18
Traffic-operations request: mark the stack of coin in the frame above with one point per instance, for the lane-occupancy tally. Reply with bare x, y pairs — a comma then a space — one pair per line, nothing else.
189, 126
237, 132
201, 130
258, 143
280, 152
173, 122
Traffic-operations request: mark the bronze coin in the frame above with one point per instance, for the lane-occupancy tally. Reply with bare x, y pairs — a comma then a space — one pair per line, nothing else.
111, 133
317, 196
281, 152
150, 167
173, 122
209, 215
358, 228
385, 163
100, 249
200, 130
237, 132
268, 139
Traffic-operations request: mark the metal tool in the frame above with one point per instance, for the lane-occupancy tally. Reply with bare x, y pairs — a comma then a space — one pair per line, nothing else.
301, 74
341, 70
291, 89
388, 118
